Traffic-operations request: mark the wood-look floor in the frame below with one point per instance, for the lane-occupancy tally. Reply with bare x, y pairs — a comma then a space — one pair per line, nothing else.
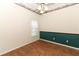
41, 48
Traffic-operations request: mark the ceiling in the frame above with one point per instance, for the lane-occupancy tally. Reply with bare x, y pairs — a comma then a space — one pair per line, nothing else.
51, 6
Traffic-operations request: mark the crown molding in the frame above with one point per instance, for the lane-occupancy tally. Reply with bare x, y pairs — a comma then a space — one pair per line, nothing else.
19, 4
61, 7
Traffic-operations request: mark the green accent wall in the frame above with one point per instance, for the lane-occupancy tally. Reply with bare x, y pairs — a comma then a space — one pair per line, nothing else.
63, 38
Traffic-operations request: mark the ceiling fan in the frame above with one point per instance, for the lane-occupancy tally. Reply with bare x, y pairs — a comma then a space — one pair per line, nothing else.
42, 8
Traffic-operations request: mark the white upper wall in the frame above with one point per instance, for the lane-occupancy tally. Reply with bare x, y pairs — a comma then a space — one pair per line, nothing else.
63, 20
15, 26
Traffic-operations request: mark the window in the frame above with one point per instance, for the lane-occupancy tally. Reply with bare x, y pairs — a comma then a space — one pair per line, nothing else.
34, 28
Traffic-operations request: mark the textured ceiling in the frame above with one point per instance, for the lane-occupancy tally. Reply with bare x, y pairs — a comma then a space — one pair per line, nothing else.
51, 6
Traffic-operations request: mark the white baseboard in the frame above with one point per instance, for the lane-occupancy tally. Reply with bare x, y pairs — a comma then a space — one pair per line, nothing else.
1, 53
60, 44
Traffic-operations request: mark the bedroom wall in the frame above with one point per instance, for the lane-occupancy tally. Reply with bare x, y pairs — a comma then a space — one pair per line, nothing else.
15, 26
65, 20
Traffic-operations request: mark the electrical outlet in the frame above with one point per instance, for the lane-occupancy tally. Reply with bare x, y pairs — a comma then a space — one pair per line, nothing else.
53, 38
67, 41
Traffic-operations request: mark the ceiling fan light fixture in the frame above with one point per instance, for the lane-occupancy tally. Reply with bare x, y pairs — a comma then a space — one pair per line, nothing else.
41, 12
39, 8
42, 8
